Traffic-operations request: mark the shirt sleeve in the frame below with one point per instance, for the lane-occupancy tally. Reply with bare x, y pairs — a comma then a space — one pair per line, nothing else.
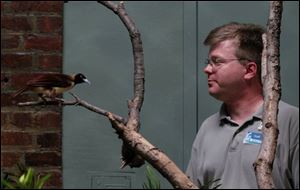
294, 147
191, 168
295, 166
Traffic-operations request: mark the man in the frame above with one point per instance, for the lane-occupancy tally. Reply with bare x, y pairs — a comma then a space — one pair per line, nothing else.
228, 142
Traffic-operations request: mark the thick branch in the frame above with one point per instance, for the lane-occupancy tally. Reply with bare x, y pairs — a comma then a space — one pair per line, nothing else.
129, 157
272, 93
139, 71
110, 5
153, 155
264, 59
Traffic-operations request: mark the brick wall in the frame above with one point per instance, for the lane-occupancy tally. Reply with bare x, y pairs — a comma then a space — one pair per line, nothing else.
31, 43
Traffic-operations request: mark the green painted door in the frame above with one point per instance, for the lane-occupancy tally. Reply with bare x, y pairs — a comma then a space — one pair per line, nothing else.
176, 100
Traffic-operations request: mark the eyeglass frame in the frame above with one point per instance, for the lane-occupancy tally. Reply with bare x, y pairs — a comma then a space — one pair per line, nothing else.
215, 63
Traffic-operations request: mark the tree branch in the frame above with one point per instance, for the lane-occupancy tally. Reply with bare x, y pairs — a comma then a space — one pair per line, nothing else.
128, 155
153, 155
76, 102
272, 93
136, 103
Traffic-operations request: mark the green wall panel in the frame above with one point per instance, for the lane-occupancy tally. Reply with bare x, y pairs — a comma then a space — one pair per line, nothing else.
97, 44
176, 100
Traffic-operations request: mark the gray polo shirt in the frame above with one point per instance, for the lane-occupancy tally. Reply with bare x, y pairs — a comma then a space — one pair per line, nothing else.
224, 150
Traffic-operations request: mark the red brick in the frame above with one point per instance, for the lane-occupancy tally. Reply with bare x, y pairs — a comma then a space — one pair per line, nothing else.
9, 159
15, 23
49, 140
22, 119
49, 24
16, 61
7, 99
37, 6
9, 41
49, 120
55, 180
5, 6
49, 62
5, 81
19, 21
2, 5
4, 118
45, 43
4, 77
43, 159
16, 138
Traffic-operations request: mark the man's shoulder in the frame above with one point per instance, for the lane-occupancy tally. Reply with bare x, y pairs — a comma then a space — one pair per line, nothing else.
287, 105
288, 124
288, 117
287, 109
212, 119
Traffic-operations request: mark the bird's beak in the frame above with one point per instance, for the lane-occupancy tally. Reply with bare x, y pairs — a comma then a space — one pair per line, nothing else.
87, 81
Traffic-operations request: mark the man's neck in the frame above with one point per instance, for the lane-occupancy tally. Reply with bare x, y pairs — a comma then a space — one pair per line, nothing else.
242, 108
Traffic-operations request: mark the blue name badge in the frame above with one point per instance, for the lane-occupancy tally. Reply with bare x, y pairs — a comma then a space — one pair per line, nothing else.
253, 138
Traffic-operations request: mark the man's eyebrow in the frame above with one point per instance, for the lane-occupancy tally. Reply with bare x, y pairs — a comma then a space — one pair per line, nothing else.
216, 57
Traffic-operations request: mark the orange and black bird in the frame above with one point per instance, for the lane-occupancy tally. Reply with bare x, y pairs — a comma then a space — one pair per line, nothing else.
51, 84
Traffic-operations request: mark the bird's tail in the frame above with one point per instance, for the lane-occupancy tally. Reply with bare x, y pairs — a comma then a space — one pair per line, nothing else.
19, 92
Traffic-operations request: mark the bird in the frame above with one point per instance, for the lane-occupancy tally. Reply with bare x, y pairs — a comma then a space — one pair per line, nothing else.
130, 158
52, 84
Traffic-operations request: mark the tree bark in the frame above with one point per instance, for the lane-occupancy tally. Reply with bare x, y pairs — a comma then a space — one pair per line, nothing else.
272, 93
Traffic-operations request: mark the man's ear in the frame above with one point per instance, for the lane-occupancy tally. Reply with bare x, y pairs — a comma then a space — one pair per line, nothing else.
251, 70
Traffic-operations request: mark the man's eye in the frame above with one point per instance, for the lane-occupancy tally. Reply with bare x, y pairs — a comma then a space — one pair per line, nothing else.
218, 60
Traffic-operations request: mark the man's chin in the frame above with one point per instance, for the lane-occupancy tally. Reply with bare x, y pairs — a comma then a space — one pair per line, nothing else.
214, 94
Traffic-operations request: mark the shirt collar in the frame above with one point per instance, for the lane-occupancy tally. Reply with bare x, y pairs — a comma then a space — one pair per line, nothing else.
223, 113
224, 116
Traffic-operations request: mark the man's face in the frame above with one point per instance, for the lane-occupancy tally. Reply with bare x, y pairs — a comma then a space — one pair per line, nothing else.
225, 73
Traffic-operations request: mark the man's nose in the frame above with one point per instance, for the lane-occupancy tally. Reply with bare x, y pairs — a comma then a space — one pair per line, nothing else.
208, 69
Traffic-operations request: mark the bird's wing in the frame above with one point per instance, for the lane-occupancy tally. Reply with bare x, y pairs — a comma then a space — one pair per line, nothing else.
20, 91
51, 80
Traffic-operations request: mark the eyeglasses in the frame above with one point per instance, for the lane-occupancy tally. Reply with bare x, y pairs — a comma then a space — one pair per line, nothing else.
216, 62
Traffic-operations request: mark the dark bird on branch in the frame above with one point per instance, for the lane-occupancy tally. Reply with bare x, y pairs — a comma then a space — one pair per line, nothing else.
51, 84
130, 158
